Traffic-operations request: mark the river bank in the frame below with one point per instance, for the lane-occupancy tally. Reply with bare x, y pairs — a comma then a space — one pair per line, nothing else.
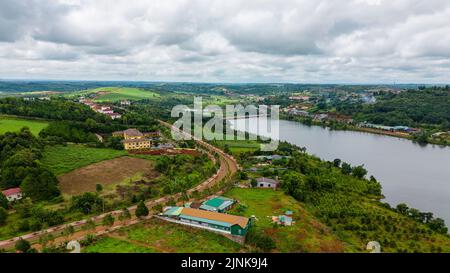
349, 127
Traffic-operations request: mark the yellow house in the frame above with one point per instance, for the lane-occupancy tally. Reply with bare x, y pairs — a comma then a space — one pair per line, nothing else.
134, 139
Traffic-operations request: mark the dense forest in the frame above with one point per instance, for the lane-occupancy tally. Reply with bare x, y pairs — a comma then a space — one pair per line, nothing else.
19, 166
414, 108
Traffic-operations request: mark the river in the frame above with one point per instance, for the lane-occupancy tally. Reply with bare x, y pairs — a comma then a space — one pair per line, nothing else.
409, 173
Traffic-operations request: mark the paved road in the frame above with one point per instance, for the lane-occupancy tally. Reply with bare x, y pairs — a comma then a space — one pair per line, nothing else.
228, 167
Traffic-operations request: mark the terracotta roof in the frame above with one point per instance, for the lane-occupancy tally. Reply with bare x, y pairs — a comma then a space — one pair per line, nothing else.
133, 132
11, 191
215, 216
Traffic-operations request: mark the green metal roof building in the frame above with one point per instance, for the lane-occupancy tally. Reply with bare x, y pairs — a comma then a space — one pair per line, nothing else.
225, 223
217, 204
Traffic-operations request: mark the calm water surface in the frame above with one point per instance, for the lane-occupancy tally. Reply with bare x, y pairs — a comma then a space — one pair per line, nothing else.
409, 173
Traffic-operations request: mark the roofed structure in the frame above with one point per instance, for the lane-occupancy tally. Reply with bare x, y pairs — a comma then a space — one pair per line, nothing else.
219, 204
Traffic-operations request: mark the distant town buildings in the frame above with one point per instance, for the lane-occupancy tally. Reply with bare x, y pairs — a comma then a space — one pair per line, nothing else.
404, 129
106, 110
301, 98
125, 103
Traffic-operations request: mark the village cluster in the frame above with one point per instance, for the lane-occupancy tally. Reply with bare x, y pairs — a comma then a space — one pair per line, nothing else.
106, 110
301, 104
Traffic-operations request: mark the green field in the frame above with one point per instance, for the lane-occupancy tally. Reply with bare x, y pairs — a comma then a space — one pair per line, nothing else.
9, 124
160, 236
113, 245
306, 235
63, 159
239, 146
116, 94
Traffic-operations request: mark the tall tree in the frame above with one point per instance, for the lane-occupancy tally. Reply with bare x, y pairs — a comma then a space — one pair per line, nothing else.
141, 210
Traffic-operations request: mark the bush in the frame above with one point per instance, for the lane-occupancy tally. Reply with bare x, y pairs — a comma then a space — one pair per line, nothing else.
23, 246
141, 210
87, 203
259, 240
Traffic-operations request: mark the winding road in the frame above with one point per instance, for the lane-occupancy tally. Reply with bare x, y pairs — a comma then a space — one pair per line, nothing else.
228, 167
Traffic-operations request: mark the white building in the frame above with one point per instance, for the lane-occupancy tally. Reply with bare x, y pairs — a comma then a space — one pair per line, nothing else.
13, 194
264, 182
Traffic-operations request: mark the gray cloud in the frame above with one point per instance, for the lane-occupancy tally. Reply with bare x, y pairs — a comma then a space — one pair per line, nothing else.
253, 40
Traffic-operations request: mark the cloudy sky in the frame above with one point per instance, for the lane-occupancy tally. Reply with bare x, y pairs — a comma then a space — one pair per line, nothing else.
311, 41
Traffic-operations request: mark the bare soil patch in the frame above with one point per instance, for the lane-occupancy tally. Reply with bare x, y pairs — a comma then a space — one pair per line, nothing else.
105, 173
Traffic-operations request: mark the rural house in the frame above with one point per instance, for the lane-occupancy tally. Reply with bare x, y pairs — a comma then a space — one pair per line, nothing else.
264, 182
13, 194
214, 221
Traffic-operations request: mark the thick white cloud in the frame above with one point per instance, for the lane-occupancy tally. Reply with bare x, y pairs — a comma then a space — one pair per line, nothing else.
237, 41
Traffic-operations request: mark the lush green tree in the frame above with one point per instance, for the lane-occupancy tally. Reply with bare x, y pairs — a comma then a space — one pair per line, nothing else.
402, 209
162, 165
3, 201
24, 225
243, 175
87, 202
46, 217
17, 167
3, 216
359, 171
40, 184
254, 183
114, 143
108, 220
337, 162
98, 188
141, 210
23, 246
226, 149
346, 168
24, 208
438, 225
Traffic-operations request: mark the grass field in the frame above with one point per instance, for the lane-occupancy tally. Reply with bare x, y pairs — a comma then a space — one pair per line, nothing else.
63, 159
306, 235
159, 236
113, 245
115, 94
239, 146
9, 124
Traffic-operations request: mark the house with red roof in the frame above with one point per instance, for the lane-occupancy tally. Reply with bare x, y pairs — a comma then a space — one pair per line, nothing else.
13, 194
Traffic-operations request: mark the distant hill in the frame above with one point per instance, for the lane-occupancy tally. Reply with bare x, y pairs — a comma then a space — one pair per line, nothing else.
23, 86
